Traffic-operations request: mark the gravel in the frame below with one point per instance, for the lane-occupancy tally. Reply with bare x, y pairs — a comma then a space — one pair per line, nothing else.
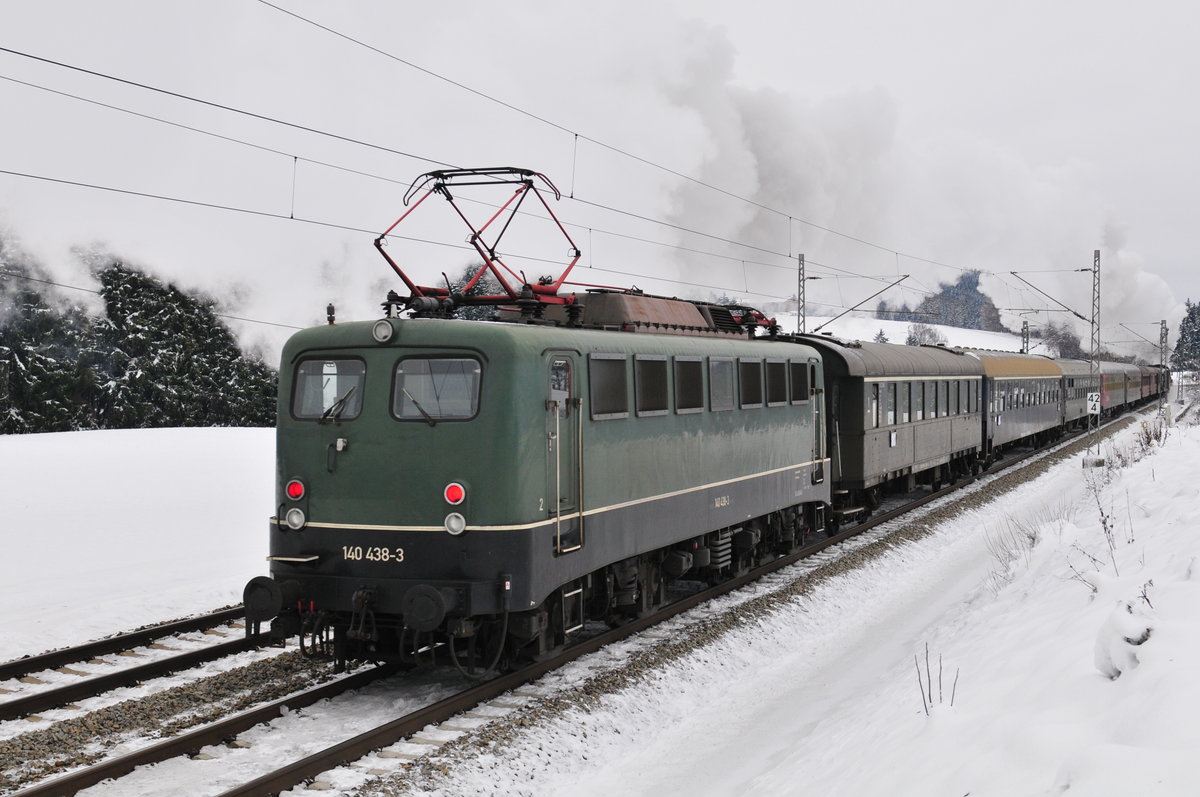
80, 741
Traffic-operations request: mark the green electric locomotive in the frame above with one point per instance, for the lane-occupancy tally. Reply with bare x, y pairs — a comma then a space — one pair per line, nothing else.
487, 488
440, 480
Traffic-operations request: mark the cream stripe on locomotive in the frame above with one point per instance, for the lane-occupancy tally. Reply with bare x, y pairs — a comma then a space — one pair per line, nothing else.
553, 520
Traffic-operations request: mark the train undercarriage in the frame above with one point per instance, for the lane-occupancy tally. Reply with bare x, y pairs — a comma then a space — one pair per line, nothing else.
613, 595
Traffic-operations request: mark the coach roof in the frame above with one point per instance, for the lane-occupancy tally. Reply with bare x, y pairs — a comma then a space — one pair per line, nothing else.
1008, 365
887, 359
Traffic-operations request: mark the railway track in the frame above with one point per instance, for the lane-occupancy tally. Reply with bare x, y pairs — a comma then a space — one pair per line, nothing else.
83, 661
438, 713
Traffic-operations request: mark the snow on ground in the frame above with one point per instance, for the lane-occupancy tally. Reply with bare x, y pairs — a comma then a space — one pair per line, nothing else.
110, 530
1024, 637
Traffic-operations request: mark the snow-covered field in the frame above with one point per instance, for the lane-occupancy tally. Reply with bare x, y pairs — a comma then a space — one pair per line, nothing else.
105, 531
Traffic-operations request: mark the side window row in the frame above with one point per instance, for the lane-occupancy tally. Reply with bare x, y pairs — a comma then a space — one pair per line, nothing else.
662, 383
1078, 387
890, 403
1013, 394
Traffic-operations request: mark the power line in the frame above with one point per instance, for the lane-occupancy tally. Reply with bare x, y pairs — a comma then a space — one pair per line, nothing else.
612, 148
229, 108
282, 217
601, 206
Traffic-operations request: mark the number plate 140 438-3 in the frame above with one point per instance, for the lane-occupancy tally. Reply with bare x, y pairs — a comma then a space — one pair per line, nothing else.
357, 553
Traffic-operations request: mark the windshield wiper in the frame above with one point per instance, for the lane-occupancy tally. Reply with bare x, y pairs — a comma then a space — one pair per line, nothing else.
428, 418
337, 407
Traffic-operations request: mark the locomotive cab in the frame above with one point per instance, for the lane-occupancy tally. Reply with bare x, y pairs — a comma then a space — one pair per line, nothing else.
383, 472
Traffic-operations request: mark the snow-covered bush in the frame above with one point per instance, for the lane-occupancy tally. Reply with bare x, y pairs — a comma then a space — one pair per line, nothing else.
1127, 628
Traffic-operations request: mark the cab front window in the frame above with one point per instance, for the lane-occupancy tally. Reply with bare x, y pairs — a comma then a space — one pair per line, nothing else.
328, 387
432, 389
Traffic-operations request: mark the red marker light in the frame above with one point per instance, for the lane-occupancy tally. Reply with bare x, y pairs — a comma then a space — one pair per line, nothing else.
294, 489
455, 493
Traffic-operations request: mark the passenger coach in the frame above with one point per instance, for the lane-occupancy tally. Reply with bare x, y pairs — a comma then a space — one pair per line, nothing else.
1023, 395
899, 416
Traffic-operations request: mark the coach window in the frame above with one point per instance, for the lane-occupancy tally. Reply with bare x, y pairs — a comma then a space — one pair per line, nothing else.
777, 379
918, 401
650, 384
436, 388
720, 383
964, 396
328, 388
905, 390
872, 405
689, 385
890, 403
974, 395
750, 380
800, 382
609, 382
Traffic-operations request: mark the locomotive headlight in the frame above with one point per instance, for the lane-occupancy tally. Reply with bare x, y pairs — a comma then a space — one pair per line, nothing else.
455, 523
382, 331
295, 519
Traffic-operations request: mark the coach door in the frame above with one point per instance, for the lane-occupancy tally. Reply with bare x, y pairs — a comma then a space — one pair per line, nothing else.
564, 445
816, 393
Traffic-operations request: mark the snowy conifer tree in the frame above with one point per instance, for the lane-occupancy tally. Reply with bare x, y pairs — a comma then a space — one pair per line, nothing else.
1186, 356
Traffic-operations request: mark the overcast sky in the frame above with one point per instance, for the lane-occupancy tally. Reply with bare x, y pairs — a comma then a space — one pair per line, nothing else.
878, 139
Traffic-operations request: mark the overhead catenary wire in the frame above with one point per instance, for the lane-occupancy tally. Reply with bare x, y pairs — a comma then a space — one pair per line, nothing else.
790, 217
295, 158
348, 228
349, 139
605, 145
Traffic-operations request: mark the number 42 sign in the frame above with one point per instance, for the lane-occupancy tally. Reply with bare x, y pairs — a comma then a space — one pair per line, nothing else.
1093, 402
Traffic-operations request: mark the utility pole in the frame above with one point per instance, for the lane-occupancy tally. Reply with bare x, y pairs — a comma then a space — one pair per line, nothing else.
1094, 421
800, 308
1162, 361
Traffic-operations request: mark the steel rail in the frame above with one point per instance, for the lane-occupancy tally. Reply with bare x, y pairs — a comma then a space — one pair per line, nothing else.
95, 685
73, 782
18, 668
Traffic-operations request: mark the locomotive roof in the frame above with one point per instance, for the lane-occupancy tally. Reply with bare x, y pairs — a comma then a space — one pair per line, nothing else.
866, 359
490, 335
